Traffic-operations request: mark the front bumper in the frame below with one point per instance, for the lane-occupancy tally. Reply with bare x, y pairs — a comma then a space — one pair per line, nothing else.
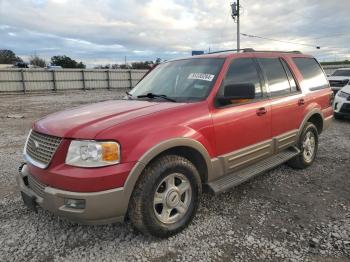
102, 207
341, 106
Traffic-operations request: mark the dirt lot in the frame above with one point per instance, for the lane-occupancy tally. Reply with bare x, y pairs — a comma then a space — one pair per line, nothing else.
282, 215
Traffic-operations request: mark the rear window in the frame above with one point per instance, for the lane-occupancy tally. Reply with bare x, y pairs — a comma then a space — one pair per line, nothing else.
341, 73
314, 78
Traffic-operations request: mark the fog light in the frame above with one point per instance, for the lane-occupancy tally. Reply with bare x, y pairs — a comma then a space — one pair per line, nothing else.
74, 203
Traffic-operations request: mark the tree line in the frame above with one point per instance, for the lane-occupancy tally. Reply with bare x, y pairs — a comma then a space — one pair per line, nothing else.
9, 57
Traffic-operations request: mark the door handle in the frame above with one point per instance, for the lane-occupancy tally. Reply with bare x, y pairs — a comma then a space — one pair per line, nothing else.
261, 111
301, 102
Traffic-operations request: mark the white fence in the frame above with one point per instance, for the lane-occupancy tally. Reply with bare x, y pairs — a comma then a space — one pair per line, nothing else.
31, 80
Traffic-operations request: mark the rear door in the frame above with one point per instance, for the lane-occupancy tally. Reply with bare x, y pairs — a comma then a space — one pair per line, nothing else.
242, 128
287, 101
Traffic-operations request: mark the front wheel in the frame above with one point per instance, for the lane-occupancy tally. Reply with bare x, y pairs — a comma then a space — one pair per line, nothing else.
166, 197
308, 145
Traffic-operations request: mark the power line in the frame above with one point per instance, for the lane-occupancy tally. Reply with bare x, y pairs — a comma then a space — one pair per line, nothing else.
282, 41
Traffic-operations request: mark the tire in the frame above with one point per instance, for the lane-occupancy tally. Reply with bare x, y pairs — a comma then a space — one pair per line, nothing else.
337, 116
307, 155
166, 197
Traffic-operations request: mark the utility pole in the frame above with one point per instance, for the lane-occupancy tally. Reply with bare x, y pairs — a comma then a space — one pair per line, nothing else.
235, 16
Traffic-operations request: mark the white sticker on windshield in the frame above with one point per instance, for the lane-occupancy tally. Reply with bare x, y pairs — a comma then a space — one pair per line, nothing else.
201, 76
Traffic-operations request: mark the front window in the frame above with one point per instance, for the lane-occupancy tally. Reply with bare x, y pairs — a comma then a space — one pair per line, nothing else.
341, 73
181, 80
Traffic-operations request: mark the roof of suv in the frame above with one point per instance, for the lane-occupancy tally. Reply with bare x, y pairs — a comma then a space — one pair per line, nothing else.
230, 53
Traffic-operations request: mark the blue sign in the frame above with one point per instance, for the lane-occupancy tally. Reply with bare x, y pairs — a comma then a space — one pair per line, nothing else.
197, 53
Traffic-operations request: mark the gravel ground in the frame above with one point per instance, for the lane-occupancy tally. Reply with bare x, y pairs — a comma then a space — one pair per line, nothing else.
285, 214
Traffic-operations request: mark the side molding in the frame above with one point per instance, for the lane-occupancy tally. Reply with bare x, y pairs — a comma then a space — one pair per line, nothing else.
245, 156
285, 140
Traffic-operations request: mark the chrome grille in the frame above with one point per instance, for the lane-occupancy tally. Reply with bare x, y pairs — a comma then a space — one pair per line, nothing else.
40, 148
36, 186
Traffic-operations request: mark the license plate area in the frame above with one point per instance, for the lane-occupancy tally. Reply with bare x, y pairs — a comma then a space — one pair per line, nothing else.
29, 201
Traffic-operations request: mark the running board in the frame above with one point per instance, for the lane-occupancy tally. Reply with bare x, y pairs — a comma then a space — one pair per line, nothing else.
240, 176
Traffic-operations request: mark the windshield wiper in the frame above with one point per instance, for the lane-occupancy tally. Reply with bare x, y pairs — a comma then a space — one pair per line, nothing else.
151, 95
129, 95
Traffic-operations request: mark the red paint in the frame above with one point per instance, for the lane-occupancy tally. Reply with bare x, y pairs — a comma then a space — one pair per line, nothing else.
140, 125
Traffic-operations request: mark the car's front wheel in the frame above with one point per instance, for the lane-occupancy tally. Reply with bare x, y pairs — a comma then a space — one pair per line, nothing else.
166, 196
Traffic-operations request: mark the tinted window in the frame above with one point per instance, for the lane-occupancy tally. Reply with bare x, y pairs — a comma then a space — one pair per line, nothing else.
276, 76
341, 73
312, 73
292, 83
242, 71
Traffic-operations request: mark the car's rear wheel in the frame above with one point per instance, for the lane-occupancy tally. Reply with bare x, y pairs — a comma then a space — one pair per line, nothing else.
166, 197
308, 145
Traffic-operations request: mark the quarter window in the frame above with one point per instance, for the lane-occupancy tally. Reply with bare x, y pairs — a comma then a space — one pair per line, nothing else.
314, 78
276, 76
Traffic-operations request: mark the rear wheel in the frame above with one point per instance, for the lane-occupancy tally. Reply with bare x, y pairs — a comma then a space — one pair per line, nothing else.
308, 145
166, 197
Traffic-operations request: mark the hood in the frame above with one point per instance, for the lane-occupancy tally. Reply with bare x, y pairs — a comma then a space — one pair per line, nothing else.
346, 89
87, 121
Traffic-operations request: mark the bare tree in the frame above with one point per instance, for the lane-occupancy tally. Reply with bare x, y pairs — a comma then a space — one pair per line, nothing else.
37, 61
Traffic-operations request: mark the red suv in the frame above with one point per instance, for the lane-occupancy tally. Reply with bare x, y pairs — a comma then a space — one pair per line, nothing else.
211, 121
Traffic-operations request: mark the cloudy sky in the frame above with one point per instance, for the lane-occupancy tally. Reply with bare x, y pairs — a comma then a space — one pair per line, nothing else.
104, 31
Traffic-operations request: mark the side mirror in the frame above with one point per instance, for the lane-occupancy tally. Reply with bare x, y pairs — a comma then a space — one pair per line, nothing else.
238, 91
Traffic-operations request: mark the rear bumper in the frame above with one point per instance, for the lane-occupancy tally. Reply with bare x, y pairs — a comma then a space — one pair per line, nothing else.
102, 207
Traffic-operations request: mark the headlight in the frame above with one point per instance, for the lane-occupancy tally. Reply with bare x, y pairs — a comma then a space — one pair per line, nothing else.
87, 153
343, 94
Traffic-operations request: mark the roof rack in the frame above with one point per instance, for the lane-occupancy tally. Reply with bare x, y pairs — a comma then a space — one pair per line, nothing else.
234, 50
246, 50
275, 51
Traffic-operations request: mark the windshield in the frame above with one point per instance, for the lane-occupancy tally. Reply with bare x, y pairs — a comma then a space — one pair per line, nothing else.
181, 80
341, 73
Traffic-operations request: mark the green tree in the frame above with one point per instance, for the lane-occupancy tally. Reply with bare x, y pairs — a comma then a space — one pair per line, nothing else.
142, 65
66, 62
8, 57
37, 61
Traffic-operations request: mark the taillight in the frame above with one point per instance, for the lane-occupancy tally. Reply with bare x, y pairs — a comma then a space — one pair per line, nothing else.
331, 98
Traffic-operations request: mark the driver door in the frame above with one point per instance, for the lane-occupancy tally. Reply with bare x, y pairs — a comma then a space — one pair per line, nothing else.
243, 128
